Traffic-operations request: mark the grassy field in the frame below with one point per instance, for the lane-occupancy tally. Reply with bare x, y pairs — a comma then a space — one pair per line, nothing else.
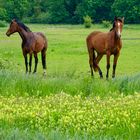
68, 103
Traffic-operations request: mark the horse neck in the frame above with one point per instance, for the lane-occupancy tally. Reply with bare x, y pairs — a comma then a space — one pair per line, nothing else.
114, 37
23, 34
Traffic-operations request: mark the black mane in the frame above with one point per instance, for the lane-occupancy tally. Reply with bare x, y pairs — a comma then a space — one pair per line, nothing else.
119, 19
22, 26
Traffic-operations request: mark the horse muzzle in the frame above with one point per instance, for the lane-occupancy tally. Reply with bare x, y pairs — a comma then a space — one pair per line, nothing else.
8, 34
118, 35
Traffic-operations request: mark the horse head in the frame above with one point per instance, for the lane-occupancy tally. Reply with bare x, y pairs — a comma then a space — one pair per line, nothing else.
13, 27
118, 25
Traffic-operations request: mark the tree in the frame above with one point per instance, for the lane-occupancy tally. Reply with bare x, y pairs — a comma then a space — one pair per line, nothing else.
71, 6
97, 9
127, 8
3, 14
16, 8
57, 11
69, 11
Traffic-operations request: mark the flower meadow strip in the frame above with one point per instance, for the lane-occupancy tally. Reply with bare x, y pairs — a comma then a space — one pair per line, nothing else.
73, 114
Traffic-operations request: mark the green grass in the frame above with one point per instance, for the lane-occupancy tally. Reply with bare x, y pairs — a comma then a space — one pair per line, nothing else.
17, 84
26, 134
115, 101
91, 116
67, 50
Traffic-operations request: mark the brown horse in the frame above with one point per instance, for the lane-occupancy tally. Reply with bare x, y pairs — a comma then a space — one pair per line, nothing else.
32, 43
105, 43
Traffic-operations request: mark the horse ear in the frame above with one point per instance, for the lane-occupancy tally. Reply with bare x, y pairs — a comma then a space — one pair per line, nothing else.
123, 20
13, 20
115, 19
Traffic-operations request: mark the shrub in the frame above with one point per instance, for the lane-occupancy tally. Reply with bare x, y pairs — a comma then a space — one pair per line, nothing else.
42, 18
3, 23
27, 20
3, 14
87, 21
106, 23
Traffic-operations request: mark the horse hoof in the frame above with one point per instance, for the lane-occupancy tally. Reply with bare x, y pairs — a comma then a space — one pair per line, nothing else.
101, 75
113, 77
44, 74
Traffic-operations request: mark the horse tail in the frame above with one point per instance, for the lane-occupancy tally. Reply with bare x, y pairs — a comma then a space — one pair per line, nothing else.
92, 55
43, 52
94, 61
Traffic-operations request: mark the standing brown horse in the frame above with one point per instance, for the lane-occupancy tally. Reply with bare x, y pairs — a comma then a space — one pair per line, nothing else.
32, 43
105, 43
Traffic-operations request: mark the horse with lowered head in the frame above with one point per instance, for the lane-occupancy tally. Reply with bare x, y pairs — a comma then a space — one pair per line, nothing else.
32, 43
105, 43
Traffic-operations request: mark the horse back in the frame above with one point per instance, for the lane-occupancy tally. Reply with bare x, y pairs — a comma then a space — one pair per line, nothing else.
97, 40
40, 36
92, 35
40, 41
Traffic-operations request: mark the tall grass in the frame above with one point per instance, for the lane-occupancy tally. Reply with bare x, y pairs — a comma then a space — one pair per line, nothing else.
16, 134
17, 84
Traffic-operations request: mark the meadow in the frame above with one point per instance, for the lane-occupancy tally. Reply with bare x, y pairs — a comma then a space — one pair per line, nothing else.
68, 103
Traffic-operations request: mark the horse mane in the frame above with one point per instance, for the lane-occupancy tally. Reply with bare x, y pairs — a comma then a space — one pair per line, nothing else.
23, 26
119, 19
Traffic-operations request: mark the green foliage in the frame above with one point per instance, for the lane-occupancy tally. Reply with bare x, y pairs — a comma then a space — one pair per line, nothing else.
128, 9
87, 21
96, 9
106, 24
3, 23
57, 11
3, 14
71, 11
41, 18
16, 8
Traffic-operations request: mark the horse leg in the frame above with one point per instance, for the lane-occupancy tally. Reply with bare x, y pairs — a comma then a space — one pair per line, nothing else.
98, 58
114, 64
99, 70
93, 64
30, 63
91, 60
108, 64
36, 62
43, 54
26, 62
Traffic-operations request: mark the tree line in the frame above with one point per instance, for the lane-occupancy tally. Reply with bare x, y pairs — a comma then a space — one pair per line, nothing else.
69, 11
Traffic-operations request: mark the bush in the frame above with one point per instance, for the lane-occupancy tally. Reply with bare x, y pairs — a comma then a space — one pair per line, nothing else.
42, 18
3, 23
106, 23
87, 21
3, 14
27, 20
